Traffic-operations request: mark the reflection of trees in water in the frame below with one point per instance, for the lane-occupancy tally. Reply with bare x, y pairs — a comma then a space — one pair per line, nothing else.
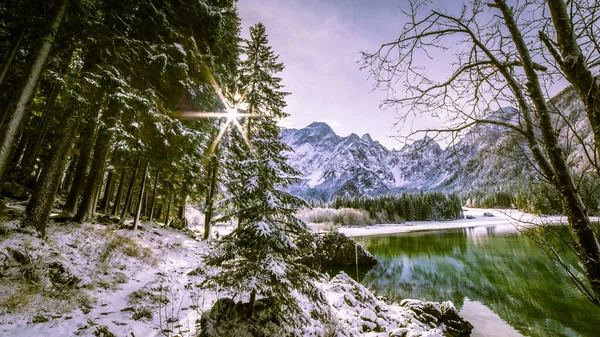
508, 273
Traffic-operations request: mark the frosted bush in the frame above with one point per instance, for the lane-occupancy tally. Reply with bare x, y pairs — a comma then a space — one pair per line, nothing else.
344, 216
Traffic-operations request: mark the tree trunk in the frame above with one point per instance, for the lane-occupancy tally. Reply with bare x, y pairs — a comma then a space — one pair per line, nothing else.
168, 210
119, 196
11, 56
67, 178
29, 159
574, 65
83, 162
586, 241
210, 196
40, 205
108, 191
145, 203
87, 207
129, 196
159, 210
181, 212
98, 192
17, 117
153, 197
139, 204
251, 303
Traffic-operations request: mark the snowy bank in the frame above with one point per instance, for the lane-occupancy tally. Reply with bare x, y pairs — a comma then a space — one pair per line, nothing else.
509, 217
98, 280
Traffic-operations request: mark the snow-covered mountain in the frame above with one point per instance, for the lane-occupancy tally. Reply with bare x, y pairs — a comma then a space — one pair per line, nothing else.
354, 165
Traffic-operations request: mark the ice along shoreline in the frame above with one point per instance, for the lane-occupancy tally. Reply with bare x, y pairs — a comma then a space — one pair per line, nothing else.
502, 217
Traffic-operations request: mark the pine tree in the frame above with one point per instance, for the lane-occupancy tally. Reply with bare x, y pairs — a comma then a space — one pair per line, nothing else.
260, 257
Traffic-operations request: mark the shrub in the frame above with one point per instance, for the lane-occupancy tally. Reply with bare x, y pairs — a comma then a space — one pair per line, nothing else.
343, 217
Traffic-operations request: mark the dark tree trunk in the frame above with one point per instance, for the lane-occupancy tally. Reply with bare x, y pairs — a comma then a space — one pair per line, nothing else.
20, 149
168, 210
119, 196
129, 197
252, 303
18, 115
40, 205
586, 241
11, 56
108, 191
159, 210
141, 197
33, 149
87, 208
210, 196
67, 178
181, 212
99, 191
145, 202
153, 197
83, 162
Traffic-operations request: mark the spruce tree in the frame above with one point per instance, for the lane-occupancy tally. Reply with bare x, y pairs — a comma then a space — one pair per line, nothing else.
260, 257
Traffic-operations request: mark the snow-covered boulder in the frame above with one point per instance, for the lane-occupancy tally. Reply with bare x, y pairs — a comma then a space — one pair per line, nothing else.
360, 313
336, 249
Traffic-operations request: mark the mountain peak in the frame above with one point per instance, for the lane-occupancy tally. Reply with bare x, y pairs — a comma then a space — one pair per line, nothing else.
367, 138
319, 125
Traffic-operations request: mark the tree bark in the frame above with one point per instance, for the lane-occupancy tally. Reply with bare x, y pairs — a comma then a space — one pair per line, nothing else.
67, 178
573, 64
83, 162
153, 197
40, 205
586, 241
129, 197
11, 56
18, 115
139, 204
168, 210
51, 104
119, 196
87, 209
210, 196
108, 191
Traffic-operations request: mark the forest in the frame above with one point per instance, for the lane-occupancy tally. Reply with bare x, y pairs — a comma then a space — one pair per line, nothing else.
92, 99
398, 208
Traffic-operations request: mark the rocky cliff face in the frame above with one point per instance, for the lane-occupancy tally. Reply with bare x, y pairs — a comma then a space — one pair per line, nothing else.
486, 157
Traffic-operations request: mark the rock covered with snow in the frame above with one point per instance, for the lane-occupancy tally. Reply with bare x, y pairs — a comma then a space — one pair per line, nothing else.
336, 249
360, 313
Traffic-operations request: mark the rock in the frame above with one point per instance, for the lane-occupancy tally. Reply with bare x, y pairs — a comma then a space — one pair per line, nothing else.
456, 326
15, 191
368, 315
60, 276
336, 249
438, 314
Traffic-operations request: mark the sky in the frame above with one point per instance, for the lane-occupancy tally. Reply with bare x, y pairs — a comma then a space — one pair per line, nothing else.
319, 42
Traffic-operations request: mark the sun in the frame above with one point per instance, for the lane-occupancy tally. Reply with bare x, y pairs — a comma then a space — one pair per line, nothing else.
234, 110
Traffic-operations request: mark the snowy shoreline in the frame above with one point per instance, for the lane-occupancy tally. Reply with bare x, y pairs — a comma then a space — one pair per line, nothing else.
502, 217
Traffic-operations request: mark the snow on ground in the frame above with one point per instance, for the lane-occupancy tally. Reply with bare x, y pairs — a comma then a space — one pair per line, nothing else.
500, 217
141, 284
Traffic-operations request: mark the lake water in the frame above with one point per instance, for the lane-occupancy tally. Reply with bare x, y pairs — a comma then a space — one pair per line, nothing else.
498, 278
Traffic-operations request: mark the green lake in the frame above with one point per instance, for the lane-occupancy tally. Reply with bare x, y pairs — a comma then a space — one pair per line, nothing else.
498, 277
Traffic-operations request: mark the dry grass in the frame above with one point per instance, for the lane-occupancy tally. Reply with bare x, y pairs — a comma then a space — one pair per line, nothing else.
116, 246
24, 297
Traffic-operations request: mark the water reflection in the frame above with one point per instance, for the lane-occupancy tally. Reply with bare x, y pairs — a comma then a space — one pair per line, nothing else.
497, 267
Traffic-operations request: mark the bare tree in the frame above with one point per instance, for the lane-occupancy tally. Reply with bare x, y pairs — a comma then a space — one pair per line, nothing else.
502, 56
